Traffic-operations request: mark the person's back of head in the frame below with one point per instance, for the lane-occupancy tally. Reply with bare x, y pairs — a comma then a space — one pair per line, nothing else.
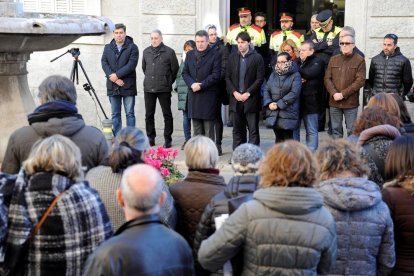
55, 154
55, 88
400, 157
374, 116
288, 164
404, 114
141, 191
128, 149
340, 157
246, 159
201, 153
386, 102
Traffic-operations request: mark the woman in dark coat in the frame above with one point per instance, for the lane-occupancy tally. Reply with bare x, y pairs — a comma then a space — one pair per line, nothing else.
398, 193
281, 99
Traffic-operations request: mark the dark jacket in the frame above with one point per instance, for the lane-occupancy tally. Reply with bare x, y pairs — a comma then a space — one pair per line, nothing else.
282, 231
312, 71
322, 50
390, 74
160, 67
252, 81
346, 75
143, 246
355, 203
203, 104
285, 91
90, 140
123, 64
181, 88
224, 51
191, 197
400, 200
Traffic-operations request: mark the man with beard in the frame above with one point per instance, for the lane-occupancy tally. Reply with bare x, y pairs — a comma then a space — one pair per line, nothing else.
201, 73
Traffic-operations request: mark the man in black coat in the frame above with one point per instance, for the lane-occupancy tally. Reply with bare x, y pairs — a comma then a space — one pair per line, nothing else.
244, 77
119, 60
312, 70
160, 67
390, 71
142, 245
201, 73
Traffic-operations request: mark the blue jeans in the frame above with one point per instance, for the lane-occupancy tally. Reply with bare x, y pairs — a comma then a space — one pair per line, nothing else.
186, 126
311, 126
337, 115
129, 104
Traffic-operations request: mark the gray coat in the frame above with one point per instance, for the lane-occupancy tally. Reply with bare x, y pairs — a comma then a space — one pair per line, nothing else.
363, 225
282, 231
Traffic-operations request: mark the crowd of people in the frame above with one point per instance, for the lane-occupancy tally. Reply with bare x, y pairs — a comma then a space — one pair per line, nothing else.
71, 205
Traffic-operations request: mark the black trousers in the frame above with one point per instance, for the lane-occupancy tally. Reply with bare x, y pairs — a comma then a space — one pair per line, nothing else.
218, 127
150, 104
241, 121
282, 134
203, 127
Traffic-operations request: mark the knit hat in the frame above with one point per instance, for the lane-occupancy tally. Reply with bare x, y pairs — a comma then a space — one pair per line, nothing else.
246, 159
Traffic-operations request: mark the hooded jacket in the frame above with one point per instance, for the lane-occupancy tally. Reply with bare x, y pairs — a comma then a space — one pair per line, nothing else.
285, 91
282, 231
363, 226
390, 74
123, 64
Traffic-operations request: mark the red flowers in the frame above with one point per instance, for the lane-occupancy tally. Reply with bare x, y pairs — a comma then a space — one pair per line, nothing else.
163, 160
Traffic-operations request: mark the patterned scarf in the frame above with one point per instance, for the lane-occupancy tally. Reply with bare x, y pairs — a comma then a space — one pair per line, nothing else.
283, 68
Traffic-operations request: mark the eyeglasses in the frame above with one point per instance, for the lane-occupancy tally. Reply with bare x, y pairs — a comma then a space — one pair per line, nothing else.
345, 43
281, 62
259, 21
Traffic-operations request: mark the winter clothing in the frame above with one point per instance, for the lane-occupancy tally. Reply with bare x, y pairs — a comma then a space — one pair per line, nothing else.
181, 88
356, 203
220, 48
160, 67
142, 246
378, 138
346, 75
205, 68
191, 197
56, 117
74, 228
302, 240
390, 74
284, 90
322, 49
312, 71
107, 182
123, 64
246, 159
399, 199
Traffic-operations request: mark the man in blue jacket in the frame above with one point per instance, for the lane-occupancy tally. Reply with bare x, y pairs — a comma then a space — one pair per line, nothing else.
119, 60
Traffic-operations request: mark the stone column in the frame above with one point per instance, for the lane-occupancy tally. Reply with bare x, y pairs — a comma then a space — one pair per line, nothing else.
15, 98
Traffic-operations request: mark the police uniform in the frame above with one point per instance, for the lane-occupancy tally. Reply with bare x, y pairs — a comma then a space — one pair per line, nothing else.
278, 37
256, 33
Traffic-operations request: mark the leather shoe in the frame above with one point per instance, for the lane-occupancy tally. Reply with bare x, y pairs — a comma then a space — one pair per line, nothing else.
152, 143
167, 144
220, 151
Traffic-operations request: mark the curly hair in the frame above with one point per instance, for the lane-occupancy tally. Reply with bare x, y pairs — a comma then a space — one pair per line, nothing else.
374, 116
288, 164
337, 156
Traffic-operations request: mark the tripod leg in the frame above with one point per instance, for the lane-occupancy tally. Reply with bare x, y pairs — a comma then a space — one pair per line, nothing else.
72, 72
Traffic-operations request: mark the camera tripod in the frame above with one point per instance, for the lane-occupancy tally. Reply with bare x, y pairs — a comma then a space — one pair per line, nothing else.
74, 75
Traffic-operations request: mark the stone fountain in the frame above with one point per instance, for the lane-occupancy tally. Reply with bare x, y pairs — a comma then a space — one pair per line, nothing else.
20, 35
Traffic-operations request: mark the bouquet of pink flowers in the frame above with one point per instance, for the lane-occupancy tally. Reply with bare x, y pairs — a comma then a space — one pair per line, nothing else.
163, 160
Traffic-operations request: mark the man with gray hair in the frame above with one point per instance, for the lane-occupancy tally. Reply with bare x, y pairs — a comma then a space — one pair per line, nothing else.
57, 114
143, 245
160, 67
348, 30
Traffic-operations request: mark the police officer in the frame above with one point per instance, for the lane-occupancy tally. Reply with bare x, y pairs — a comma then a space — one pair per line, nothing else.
286, 32
257, 34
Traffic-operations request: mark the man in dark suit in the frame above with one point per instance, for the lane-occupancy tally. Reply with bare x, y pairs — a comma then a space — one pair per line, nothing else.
244, 77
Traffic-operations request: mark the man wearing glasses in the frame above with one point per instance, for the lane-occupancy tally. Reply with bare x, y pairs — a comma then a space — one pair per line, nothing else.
256, 33
344, 77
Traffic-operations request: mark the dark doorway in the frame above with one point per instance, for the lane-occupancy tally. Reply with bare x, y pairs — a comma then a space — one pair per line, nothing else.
301, 10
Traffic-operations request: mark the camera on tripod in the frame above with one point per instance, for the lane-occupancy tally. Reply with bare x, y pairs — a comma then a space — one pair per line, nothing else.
74, 52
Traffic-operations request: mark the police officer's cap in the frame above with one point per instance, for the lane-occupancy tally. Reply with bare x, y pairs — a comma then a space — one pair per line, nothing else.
244, 11
324, 17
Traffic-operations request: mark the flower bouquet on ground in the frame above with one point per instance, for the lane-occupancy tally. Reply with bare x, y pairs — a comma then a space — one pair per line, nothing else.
163, 160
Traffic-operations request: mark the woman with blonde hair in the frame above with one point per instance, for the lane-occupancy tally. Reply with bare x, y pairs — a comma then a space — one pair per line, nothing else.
285, 229
355, 202
289, 46
398, 193
55, 219
129, 148
202, 182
